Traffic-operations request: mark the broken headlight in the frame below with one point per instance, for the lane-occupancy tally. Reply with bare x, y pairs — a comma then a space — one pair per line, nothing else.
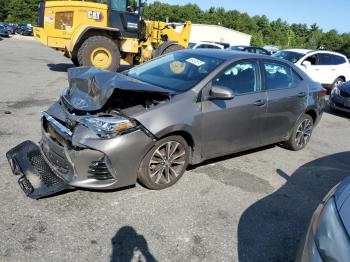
108, 126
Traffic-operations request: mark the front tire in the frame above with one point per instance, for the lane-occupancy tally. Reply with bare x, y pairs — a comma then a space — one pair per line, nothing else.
165, 163
101, 52
301, 133
166, 48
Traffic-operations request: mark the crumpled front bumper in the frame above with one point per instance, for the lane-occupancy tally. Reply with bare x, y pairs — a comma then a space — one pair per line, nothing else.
85, 160
35, 176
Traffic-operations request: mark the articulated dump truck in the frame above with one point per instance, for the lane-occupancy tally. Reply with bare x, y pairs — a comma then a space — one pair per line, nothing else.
106, 35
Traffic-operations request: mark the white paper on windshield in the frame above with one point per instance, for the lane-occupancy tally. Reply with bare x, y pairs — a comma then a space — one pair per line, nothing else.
195, 61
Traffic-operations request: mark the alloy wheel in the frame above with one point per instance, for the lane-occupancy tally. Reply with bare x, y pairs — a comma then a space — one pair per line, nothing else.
167, 162
303, 133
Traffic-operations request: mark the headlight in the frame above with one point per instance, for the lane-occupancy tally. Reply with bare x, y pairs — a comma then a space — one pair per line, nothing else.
108, 126
330, 236
335, 91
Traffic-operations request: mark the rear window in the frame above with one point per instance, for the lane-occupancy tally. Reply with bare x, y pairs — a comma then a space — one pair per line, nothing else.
325, 59
280, 76
338, 60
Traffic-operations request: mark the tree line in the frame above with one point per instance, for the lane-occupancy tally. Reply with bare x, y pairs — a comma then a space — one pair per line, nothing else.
264, 31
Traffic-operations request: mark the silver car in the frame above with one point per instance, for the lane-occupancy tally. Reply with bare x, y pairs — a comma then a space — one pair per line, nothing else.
109, 130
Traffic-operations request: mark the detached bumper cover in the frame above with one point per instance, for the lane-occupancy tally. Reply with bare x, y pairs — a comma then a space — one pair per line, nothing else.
35, 176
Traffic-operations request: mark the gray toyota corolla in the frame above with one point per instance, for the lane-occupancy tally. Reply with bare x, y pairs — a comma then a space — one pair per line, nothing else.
109, 130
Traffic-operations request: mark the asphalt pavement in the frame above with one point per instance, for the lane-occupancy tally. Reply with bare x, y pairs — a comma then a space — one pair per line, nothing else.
252, 206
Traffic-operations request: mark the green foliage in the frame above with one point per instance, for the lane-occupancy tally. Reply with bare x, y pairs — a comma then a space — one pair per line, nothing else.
20, 11
263, 31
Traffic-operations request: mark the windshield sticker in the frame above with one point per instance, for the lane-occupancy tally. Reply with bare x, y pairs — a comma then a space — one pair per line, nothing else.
177, 67
195, 61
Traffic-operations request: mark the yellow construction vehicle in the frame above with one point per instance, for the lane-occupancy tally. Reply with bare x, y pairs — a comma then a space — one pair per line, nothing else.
107, 34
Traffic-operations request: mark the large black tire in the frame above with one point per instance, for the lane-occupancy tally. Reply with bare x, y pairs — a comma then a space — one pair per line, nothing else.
93, 43
301, 133
167, 47
160, 169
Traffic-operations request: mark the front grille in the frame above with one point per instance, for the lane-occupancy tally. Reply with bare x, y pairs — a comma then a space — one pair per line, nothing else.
42, 169
58, 162
99, 170
345, 94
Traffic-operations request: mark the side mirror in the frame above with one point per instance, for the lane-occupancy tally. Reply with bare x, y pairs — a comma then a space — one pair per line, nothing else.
221, 93
306, 64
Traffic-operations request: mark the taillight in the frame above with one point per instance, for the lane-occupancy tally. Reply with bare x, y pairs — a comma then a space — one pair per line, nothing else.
323, 92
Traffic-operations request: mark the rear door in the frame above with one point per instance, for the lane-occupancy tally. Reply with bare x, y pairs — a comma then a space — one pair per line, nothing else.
287, 100
327, 70
234, 125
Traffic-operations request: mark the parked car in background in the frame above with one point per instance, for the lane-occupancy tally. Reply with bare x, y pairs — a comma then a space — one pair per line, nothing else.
11, 28
109, 130
208, 45
4, 31
328, 68
249, 49
328, 235
340, 98
271, 49
24, 30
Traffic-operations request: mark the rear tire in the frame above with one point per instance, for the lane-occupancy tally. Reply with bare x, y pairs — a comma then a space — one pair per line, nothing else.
165, 163
301, 133
101, 52
337, 81
166, 48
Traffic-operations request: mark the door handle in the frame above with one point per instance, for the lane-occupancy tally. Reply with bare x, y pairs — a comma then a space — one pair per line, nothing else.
301, 94
260, 102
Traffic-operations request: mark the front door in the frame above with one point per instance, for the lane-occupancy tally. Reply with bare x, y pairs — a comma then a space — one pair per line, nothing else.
125, 15
234, 125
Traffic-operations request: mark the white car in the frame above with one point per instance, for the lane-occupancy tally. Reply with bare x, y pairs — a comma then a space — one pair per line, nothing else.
328, 68
210, 45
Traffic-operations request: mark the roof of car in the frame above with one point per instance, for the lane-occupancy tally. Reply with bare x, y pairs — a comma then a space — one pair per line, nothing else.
307, 51
224, 54
299, 50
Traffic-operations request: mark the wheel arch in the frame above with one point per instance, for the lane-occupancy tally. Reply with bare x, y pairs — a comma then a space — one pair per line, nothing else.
187, 134
82, 34
342, 77
313, 113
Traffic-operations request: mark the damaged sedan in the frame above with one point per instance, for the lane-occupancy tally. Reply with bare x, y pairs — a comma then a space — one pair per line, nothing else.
147, 124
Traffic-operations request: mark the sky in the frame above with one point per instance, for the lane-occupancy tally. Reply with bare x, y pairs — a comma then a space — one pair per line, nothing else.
328, 14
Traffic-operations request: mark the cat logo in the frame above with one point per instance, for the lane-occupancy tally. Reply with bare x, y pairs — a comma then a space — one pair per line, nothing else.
97, 16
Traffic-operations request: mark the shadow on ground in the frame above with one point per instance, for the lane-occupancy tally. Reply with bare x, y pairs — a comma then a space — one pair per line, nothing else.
270, 229
61, 67
129, 246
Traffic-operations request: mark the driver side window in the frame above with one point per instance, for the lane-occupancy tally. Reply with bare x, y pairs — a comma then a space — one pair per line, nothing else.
241, 78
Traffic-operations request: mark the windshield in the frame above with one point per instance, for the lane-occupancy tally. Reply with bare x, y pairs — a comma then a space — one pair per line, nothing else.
177, 71
289, 55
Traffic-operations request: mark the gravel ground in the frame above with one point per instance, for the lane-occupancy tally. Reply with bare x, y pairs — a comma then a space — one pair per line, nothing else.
252, 206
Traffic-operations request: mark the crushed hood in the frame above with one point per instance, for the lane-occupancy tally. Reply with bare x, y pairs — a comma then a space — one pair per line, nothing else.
90, 88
